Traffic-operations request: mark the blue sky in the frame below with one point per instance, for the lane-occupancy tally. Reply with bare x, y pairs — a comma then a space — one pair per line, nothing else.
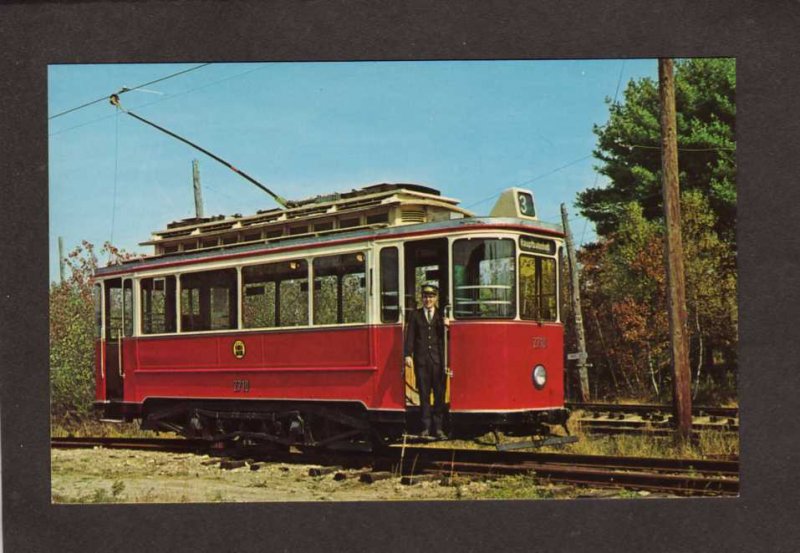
468, 128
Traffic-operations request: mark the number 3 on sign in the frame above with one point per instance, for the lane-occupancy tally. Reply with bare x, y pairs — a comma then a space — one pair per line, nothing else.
525, 203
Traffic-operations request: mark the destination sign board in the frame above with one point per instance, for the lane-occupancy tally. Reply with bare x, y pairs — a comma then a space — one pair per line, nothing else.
537, 245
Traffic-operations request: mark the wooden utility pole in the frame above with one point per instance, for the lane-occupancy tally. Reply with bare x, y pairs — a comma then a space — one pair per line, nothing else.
198, 193
61, 259
673, 255
583, 372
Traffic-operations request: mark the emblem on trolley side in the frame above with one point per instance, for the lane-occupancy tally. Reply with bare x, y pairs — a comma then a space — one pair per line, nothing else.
539, 342
238, 349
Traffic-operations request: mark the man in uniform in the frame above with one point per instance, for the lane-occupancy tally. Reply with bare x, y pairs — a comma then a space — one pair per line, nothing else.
424, 351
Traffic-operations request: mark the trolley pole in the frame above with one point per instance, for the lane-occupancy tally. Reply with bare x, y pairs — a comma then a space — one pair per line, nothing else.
198, 192
61, 259
673, 254
583, 372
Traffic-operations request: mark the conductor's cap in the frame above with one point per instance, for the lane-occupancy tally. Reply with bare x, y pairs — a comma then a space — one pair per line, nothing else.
430, 289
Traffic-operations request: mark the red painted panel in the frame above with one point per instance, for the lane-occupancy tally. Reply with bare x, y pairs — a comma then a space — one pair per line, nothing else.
297, 364
493, 365
492, 362
389, 384
129, 366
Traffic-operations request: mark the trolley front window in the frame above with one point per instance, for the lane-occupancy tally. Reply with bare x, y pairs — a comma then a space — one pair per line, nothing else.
484, 278
537, 283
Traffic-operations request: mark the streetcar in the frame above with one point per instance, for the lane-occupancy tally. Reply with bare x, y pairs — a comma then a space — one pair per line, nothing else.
287, 326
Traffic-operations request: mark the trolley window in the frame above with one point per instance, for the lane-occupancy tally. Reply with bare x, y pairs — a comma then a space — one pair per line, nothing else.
208, 300
98, 310
113, 310
340, 291
484, 278
537, 288
127, 308
158, 305
292, 302
390, 286
259, 296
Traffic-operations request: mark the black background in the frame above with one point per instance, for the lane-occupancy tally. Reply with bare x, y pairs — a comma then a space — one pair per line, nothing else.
762, 38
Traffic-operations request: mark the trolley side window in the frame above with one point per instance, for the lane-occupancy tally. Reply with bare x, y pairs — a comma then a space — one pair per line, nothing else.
127, 308
113, 310
340, 291
209, 300
484, 278
537, 282
292, 302
158, 305
390, 285
258, 297
98, 310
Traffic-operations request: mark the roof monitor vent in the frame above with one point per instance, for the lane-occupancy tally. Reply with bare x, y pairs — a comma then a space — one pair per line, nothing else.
515, 202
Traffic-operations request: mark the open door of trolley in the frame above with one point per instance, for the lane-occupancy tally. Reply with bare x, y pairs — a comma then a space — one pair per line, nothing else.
426, 262
117, 325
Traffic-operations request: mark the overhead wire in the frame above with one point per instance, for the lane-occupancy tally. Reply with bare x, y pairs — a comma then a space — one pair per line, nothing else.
125, 89
616, 92
597, 174
716, 149
571, 163
170, 97
116, 165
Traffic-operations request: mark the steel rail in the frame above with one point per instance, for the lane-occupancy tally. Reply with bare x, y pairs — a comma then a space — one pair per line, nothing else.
679, 476
697, 410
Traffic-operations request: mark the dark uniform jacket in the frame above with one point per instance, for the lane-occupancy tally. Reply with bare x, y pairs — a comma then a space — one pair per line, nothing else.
423, 340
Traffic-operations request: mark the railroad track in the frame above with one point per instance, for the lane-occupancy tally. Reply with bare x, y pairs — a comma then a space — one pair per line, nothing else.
650, 419
645, 408
152, 444
414, 463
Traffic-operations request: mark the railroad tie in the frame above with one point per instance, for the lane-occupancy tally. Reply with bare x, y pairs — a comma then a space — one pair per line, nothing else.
230, 464
372, 477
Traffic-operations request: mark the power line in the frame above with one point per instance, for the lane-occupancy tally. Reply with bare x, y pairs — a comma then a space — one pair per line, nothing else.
170, 97
556, 170
128, 89
619, 81
717, 149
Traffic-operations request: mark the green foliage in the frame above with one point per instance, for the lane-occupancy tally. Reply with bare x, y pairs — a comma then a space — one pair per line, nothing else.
624, 282
624, 300
629, 147
72, 332
72, 335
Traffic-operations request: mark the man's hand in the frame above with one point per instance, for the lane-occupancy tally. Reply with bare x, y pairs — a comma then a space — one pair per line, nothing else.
409, 363
446, 321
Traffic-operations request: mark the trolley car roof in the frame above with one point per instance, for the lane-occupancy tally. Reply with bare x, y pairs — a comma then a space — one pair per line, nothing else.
313, 241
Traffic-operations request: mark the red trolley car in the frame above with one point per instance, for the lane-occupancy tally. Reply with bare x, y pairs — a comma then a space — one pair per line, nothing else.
287, 326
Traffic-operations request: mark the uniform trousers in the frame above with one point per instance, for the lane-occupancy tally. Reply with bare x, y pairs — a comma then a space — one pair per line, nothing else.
430, 375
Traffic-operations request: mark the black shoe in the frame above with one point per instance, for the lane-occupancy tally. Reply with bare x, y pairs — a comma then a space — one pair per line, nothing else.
425, 434
440, 435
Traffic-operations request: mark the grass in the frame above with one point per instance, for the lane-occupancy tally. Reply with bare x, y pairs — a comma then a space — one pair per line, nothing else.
70, 426
518, 486
709, 444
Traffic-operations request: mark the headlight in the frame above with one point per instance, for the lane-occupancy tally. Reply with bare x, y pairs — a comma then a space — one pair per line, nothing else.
539, 376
